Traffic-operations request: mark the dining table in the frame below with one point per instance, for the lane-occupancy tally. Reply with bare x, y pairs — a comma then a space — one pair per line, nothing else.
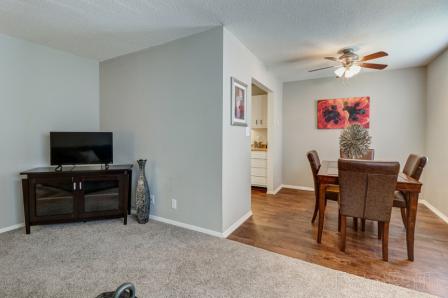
328, 176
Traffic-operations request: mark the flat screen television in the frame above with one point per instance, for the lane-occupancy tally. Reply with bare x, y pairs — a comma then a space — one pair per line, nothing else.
74, 148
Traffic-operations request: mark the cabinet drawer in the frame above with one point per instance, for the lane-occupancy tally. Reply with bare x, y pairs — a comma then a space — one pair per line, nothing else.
259, 172
258, 154
258, 181
258, 163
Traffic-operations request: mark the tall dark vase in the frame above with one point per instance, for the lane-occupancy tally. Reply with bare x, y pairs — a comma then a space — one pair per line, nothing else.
142, 194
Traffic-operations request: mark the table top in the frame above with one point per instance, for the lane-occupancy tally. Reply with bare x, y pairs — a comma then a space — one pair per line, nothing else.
328, 173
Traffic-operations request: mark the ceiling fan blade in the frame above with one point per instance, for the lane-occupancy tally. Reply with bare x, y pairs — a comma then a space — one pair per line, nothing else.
374, 56
331, 58
321, 68
373, 65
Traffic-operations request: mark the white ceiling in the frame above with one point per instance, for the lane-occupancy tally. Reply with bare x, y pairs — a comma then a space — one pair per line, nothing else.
289, 36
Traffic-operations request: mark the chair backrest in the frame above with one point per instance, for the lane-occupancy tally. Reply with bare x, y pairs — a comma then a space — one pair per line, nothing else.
367, 188
414, 165
370, 155
314, 160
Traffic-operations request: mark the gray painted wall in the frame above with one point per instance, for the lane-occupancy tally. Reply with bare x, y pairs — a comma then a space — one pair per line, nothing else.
165, 104
434, 190
398, 104
41, 90
240, 63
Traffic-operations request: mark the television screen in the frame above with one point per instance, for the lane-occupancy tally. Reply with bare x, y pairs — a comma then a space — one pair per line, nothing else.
73, 148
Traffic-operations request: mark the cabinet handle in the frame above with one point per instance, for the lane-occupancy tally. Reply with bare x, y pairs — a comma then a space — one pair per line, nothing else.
80, 185
74, 185
256, 121
261, 121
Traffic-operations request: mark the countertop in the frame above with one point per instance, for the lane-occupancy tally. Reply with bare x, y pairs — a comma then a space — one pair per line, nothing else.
259, 149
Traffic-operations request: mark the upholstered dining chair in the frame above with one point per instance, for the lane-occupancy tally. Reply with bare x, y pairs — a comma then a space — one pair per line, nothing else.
367, 192
370, 155
331, 193
413, 168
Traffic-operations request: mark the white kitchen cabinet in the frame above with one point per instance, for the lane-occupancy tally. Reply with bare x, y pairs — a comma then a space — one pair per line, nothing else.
258, 168
259, 111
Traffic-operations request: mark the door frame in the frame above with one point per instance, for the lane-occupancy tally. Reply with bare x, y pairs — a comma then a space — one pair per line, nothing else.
270, 135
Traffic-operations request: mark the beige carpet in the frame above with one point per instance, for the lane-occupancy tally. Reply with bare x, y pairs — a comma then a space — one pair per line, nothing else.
84, 259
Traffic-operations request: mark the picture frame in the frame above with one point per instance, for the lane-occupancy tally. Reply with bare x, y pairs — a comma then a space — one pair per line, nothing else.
338, 113
238, 109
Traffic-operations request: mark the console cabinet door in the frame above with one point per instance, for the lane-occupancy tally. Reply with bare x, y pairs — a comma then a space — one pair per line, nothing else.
101, 195
52, 198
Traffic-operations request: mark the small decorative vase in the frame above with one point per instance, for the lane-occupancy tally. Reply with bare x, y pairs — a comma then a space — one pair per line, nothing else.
142, 194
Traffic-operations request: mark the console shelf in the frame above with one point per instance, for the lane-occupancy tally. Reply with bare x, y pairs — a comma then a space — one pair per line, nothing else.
76, 194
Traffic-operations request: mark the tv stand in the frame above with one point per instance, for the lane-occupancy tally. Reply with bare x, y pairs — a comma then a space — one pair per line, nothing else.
58, 168
75, 194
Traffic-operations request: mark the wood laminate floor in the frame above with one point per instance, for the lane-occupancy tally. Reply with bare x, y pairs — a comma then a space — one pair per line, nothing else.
282, 224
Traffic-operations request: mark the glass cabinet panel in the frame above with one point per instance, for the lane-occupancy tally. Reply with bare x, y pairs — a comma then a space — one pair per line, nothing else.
101, 195
54, 198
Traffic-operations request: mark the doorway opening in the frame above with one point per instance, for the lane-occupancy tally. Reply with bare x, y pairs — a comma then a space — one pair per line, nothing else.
259, 125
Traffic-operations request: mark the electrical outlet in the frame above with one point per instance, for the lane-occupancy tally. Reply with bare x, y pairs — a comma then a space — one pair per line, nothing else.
173, 203
152, 199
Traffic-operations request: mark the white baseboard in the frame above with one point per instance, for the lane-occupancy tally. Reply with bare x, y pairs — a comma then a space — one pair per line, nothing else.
225, 234
238, 223
186, 226
306, 188
229, 231
13, 227
435, 210
275, 191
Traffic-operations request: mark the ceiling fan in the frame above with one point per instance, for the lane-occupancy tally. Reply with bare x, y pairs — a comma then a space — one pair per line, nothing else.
351, 63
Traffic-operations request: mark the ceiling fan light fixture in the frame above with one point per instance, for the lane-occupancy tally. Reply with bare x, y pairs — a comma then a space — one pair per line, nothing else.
350, 63
352, 71
339, 72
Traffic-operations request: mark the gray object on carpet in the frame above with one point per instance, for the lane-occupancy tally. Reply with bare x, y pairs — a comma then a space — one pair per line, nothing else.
84, 259
126, 290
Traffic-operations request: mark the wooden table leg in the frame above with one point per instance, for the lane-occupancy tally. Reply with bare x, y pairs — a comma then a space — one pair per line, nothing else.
322, 189
411, 218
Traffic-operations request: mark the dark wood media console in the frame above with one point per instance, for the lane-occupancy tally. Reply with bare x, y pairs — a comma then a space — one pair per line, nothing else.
78, 193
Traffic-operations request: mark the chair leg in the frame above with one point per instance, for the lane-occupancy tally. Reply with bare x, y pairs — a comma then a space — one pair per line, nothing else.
380, 228
343, 232
404, 216
363, 225
385, 241
355, 223
316, 209
339, 221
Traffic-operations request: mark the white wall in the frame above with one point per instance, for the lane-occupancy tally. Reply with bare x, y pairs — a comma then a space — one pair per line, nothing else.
240, 63
434, 189
41, 90
164, 104
171, 104
397, 122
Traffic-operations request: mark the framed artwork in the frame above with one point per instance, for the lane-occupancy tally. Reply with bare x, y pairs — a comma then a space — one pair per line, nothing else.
341, 112
239, 103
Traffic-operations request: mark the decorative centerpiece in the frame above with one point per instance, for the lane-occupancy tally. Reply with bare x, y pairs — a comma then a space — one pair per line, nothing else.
355, 141
142, 194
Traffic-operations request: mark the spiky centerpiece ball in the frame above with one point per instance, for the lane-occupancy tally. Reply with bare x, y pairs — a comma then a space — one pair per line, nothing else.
354, 141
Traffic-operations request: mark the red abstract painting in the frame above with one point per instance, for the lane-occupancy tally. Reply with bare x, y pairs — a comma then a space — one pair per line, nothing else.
341, 112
